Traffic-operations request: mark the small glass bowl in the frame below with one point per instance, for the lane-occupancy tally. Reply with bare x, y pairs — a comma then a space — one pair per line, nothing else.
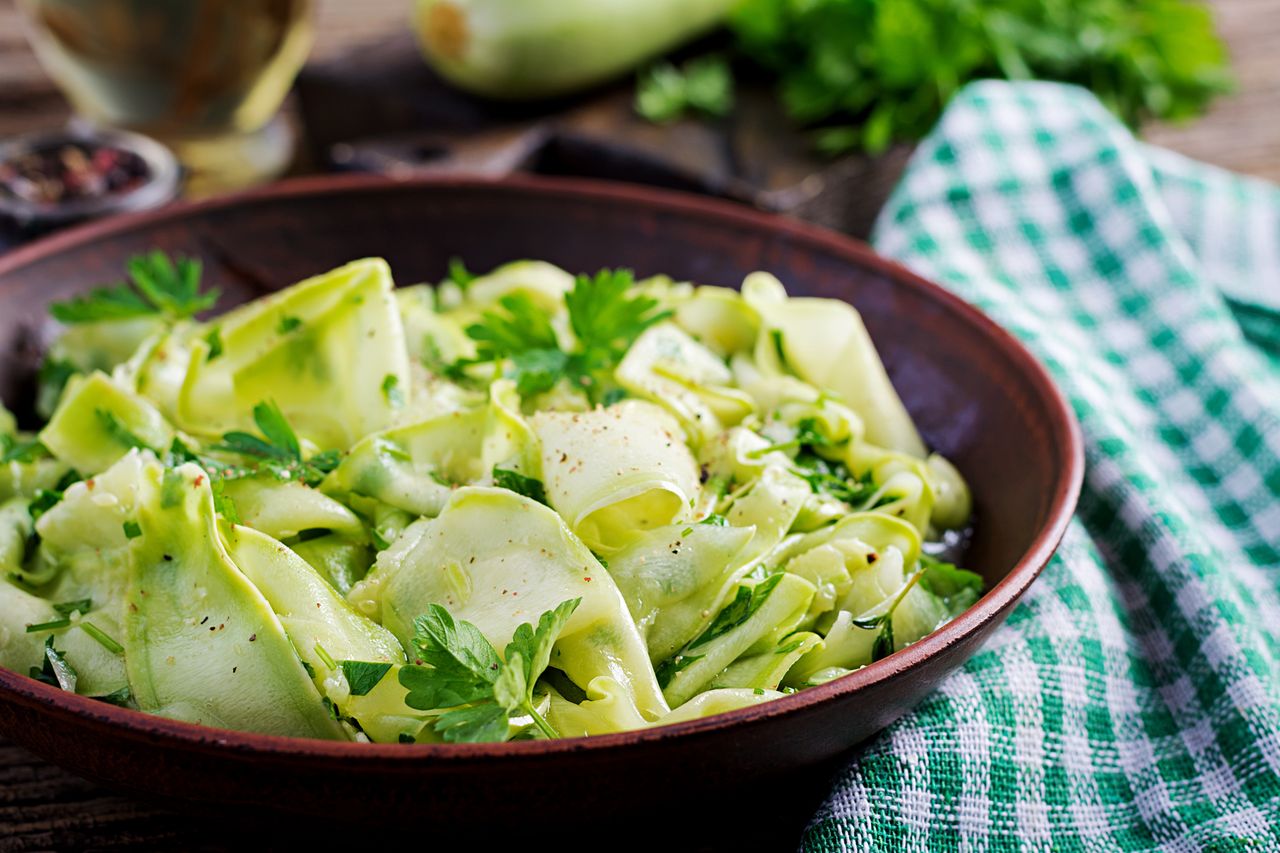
157, 181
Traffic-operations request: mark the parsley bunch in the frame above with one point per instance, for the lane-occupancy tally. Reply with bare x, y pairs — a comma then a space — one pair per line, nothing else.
157, 286
460, 670
604, 316
871, 73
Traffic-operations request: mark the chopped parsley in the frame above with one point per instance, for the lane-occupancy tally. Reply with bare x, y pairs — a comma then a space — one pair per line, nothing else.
122, 698
118, 432
44, 500
746, 601
391, 390
459, 275
834, 479
505, 478
57, 670
21, 451
214, 340
105, 640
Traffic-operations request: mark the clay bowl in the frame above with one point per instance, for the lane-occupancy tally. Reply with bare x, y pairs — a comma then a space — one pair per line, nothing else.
975, 393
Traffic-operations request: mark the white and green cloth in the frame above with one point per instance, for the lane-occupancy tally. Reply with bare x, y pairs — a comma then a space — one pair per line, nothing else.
1132, 701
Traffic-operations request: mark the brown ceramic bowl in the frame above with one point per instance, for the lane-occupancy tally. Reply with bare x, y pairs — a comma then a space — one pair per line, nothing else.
975, 393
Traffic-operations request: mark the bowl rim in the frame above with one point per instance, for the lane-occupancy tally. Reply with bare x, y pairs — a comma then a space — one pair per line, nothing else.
1068, 452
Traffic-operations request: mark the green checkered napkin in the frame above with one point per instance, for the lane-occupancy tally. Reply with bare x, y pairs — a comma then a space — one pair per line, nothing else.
1132, 701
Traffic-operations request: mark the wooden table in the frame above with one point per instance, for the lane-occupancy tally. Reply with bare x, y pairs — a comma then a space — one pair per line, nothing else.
42, 807
1241, 132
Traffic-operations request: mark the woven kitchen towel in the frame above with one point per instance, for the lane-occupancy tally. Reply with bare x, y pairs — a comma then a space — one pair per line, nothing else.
1132, 701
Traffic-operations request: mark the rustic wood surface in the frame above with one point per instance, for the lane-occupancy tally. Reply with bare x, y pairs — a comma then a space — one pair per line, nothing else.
1241, 132
43, 807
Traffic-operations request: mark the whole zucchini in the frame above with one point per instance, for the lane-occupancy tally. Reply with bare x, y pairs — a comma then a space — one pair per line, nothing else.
521, 49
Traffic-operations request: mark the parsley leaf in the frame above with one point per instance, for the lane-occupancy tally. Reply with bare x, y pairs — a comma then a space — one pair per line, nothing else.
458, 669
223, 504
214, 340
956, 587
132, 530
523, 327
808, 434
459, 275
391, 390
463, 665
51, 379
604, 319
46, 499
43, 501
704, 85
278, 452
363, 676
28, 450
667, 670
538, 370
746, 601
485, 723
57, 670
157, 285
271, 421
118, 432
529, 651
122, 698
505, 478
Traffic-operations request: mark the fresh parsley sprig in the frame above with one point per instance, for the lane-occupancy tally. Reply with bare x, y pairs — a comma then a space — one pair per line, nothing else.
278, 451
157, 285
604, 316
704, 85
459, 669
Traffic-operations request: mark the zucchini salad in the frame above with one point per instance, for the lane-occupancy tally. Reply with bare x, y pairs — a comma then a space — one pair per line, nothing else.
527, 504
